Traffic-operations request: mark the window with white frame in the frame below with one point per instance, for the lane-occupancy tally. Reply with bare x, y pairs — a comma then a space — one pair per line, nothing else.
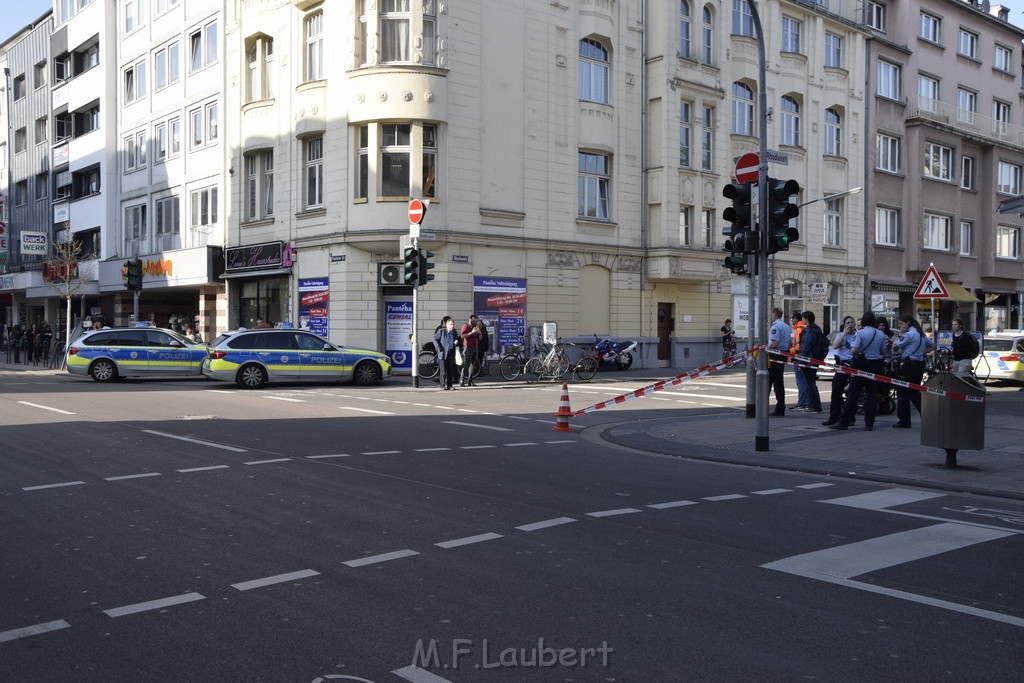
889, 80
927, 93
742, 21
685, 132
135, 82
833, 51
162, 6
792, 298
166, 62
259, 185
874, 15
135, 151
1007, 242
395, 33
313, 173
936, 232
314, 35
1008, 178
887, 226
396, 159
1000, 116
707, 226
42, 129
966, 238
259, 59
429, 41
63, 126
406, 160
205, 125
685, 29
790, 122
707, 139
134, 15
966, 105
833, 133
967, 172
593, 186
833, 222
742, 108
938, 161
1002, 58
62, 68
202, 46
593, 71
167, 139
135, 228
929, 27
686, 226
790, 34
165, 212
707, 35
362, 177
205, 208
967, 44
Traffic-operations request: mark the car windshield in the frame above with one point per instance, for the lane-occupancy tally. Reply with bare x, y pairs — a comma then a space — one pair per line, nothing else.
999, 344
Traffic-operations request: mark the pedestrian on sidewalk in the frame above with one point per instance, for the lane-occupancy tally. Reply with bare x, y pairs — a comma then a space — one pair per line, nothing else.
843, 344
912, 345
728, 339
470, 336
780, 336
796, 323
444, 346
965, 348
18, 342
868, 343
809, 335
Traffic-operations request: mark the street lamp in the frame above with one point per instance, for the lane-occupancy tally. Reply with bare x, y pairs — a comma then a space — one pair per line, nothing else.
837, 195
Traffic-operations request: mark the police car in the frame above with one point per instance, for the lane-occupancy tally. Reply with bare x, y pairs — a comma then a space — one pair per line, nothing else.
251, 358
1002, 356
109, 354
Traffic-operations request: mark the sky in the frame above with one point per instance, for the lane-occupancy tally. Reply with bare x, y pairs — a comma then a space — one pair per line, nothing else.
17, 14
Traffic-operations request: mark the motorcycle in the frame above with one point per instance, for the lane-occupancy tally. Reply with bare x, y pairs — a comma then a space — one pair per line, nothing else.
614, 354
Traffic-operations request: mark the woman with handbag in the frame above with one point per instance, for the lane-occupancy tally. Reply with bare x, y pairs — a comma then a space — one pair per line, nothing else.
867, 356
912, 345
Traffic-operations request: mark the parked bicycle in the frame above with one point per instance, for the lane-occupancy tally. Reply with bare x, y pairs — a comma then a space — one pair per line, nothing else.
514, 360
555, 364
428, 367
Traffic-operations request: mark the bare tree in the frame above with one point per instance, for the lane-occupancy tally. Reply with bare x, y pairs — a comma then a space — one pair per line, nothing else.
60, 272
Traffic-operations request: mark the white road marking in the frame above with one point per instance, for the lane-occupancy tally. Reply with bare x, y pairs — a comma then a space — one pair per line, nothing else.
282, 398
54, 410
880, 500
731, 496
610, 513
153, 604
365, 410
204, 469
468, 540
414, 674
374, 559
132, 476
819, 485
770, 492
380, 453
561, 441
222, 391
266, 462
521, 443
714, 397
516, 417
271, 580
52, 486
430, 450
470, 424
546, 523
322, 457
34, 630
473, 448
195, 441
672, 504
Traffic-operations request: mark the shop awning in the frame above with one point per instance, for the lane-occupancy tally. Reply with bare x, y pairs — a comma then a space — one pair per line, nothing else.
956, 293
256, 273
881, 286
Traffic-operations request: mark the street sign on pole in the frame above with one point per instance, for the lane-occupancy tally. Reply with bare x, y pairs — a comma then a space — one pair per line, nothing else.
746, 168
932, 286
417, 210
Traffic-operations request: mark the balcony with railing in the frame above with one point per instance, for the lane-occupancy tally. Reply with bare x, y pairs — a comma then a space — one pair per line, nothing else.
969, 122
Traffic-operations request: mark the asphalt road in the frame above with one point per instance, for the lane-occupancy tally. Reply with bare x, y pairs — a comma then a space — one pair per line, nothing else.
186, 530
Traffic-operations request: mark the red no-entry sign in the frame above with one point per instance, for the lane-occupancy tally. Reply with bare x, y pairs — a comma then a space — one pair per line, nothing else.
416, 211
746, 168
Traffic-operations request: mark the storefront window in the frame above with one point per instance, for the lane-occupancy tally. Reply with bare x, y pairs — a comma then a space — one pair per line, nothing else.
266, 298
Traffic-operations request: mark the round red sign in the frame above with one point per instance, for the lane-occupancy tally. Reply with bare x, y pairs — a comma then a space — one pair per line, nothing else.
416, 211
746, 168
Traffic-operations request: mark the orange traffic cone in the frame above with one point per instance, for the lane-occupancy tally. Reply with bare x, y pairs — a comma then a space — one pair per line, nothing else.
564, 411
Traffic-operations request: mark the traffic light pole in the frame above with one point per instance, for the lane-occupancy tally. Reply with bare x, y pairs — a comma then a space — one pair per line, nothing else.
415, 326
759, 293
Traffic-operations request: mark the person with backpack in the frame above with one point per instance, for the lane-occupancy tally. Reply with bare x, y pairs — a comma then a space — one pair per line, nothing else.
965, 348
797, 325
813, 344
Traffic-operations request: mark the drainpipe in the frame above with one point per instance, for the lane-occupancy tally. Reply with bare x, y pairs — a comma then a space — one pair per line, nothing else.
644, 137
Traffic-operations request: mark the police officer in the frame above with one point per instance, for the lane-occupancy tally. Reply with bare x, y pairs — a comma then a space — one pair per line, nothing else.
843, 345
868, 342
912, 344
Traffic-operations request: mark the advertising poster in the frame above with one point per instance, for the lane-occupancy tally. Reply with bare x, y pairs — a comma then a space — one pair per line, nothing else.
501, 304
314, 305
398, 333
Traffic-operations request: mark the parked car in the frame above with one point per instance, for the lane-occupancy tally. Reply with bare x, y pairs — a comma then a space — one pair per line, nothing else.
113, 353
252, 358
1002, 356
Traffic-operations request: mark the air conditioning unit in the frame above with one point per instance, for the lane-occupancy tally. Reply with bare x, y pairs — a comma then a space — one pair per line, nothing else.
390, 274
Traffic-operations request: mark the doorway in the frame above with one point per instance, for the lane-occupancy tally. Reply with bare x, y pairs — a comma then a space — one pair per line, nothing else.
666, 326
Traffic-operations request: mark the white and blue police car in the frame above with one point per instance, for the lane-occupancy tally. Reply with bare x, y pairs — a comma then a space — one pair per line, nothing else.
113, 353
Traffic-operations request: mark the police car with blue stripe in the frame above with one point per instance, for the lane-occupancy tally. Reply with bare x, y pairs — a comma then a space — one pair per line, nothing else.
251, 358
109, 354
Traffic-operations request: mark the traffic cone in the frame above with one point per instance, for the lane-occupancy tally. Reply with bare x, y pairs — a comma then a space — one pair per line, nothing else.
564, 411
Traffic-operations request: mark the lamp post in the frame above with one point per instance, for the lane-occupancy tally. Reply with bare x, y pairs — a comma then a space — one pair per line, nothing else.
837, 195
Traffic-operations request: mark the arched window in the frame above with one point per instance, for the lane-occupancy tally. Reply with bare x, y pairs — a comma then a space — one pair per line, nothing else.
833, 133
593, 73
707, 30
790, 122
684, 29
742, 109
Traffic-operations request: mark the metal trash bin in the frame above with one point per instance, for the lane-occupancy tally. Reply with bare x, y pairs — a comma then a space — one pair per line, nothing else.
953, 424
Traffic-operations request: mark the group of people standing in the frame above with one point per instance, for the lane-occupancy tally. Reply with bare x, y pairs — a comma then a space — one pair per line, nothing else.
469, 344
32, 343
799, 339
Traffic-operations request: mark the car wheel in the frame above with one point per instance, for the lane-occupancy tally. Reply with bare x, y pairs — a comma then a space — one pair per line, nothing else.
251, 377
103, 371
366, 373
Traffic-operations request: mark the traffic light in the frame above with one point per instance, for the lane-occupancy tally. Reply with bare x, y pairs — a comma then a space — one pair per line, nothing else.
780, 212
413, 266
133, 279
741, 240
426, 265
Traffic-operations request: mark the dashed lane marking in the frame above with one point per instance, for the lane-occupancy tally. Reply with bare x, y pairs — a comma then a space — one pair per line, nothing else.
365, 410
34, 630
266, 462
672, 504
52, 486
612, 513
479, 426
41, 407
819, 485
521, 443
203, 469
195, 441
731, 496
282, 398
380, 453
414, 674
536, 526
271, 580
468, 540
431, 450
474, 448
771, 492
153, 604
385, 557
132, 476
324, 457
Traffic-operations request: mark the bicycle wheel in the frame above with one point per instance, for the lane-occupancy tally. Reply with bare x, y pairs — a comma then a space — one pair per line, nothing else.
562, 366
428, 365
510, 366
474, 369
586, 369
533, 370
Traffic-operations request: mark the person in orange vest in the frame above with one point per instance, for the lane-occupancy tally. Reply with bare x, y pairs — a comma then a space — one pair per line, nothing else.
802, 399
